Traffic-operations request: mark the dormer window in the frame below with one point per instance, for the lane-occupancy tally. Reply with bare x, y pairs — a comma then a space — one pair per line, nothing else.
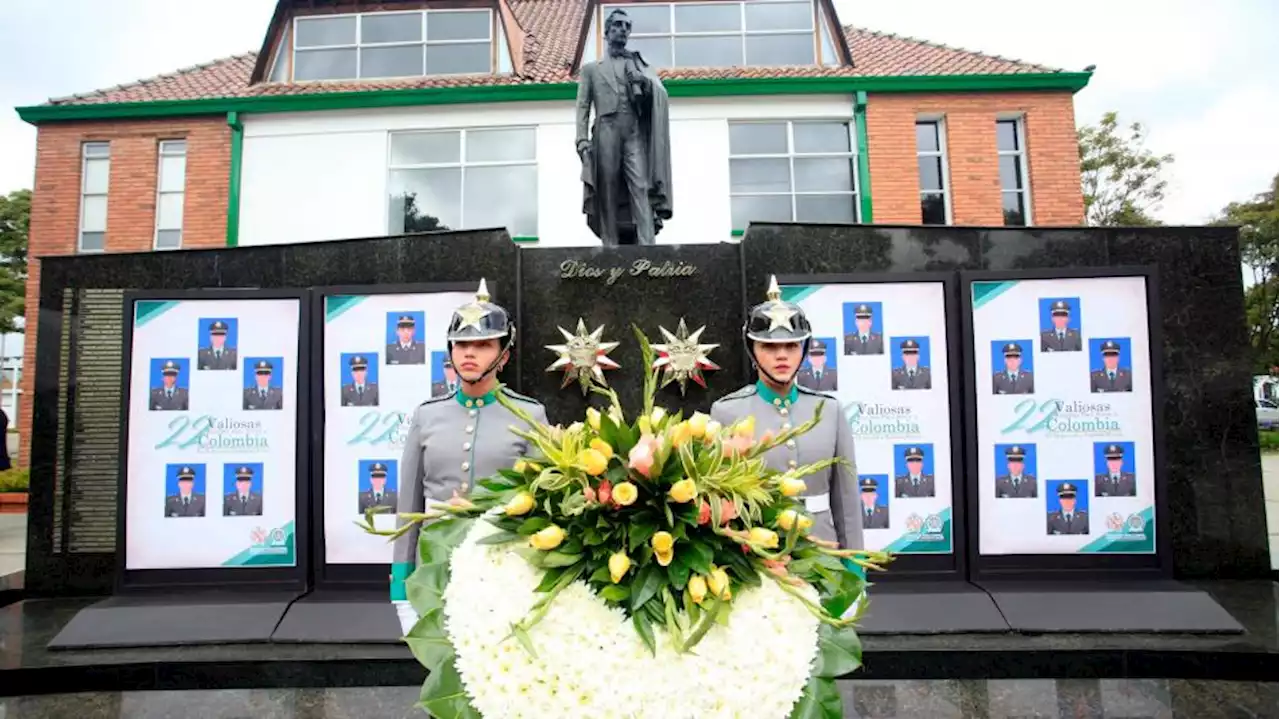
768, 33
392, 45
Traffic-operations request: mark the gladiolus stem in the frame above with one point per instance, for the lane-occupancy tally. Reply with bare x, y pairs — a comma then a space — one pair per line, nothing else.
814, 609
705, 622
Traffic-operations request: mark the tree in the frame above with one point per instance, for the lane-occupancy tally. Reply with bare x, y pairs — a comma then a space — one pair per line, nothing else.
1121, 178
15, 223
414, 219
1259, 223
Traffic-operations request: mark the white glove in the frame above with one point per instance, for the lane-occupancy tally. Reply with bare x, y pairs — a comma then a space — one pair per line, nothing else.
406, 615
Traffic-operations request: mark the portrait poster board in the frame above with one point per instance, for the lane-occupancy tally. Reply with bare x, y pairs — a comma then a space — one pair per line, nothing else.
383, 354
213, 459
1066, 459
898, 404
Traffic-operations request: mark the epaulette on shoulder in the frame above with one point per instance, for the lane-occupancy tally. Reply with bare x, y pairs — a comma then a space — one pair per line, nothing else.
805, 390
441, 398
741, 393
521, 397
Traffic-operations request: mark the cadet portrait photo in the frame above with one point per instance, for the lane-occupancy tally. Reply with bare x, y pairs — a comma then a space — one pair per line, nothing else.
444, 378
169, 383
263, 383
405, 336
1113, 470
815, 372
1068, 506
1060, 324
910, 360
217, 344
377, 484
184, 490
875, 500
359, 379
863, 328
913, 470
1110, 365
1015, 471
1012, 367
242, 489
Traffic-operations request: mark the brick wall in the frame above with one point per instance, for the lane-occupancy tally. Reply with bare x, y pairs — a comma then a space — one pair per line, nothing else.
974, 174
131, 199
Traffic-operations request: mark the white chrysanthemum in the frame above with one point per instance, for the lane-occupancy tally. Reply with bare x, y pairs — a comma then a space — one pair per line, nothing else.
592, 664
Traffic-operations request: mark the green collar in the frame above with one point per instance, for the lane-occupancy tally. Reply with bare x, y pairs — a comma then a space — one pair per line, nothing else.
476, 402
776, 399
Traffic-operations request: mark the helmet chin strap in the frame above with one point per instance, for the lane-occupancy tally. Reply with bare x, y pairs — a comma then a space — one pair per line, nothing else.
760, 368
493, 366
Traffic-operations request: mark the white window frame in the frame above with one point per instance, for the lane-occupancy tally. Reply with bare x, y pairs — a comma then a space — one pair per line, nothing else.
85, 159
462, 164
791, 156
941, 124
160, 192
1020, 130
742, 32
358, 45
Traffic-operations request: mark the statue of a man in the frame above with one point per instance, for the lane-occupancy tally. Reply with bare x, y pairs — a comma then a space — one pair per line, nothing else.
626, 162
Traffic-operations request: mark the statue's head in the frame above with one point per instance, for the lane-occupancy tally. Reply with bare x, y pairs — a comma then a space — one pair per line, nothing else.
617, 28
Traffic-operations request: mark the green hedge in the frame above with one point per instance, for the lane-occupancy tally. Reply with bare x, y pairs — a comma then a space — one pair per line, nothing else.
17, 479
1267, 440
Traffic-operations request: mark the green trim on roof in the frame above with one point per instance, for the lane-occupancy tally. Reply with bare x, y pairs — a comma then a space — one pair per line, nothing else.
233, 182
525, 240
864, 157
1062, 81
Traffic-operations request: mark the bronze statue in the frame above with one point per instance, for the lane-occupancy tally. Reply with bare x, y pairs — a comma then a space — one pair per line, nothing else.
626, 163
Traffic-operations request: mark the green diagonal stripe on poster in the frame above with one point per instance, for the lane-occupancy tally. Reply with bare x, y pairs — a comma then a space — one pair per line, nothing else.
256, 557
1144, 544
337, 304
984, 292
146, 310
911, 544
795, 293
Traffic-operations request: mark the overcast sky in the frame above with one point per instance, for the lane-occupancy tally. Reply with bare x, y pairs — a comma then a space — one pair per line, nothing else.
1204, 77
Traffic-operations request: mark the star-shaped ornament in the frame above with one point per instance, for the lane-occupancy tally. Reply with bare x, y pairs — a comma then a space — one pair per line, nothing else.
778, 313
583, 356
472, 313
682, 358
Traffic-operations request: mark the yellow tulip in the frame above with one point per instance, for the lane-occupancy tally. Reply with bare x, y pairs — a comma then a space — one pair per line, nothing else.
662, 542
664, 558
713, 429
697, 588
657, 415
619, 563
593, 418
645, 427
766, 538
520, 466
683, 491
718, 583
791, 486
625, 493
745, 427
680, 434
520, 504
602, 447
789, 518
547, 538
698, 424
574, 428
593, 462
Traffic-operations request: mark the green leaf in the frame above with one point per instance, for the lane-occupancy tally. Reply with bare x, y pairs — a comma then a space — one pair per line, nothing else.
666, 509
512, 475
428, 641
523, 637
500, 538
560, 559
498, 484
592, 537
549, 579
600, 575
646, 585
820, 700
700, 556
532, 525
615, 592
645, 629
688, 513
425, 587
839, 652
437, 540
678, 570
508, 524
639, 534
850, 588
443, 695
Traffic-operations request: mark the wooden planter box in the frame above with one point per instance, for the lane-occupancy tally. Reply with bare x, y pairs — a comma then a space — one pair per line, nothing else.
13, 502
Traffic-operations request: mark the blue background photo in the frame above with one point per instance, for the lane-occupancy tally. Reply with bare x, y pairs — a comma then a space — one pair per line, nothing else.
1100, 459
229, 477
1095, 353
184, 374
900, 462
251, 372
877, 317
1051, 494
171, 478
895, 351
997, 355
233, 332
882, 488
369, 357
830, 344
419, 326
1002, 462
437, 366
1046, 313
366, 464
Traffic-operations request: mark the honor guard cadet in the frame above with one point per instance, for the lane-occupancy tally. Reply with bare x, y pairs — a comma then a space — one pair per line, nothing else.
378, 494
1013, 380
186, 503
874, 516
1067, 520
1116, 482
1112, 377
1061, 338
243, 502
262, 395
817, 376
915, 483
864, 341
360, 393
450, 383
217, 355
169, 396
776, 337
405, 350
911, 375
1014, 483
464, 436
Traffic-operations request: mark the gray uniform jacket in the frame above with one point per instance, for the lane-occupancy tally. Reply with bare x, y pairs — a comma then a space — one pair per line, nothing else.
921, 379
1123, 486
853, 344
413, 354
449, 444
1100, 382
1069, 342
254, 399
206, 359
831, 438
877, 519
1058, 524
904, 487
232, 506
387, 499
1026, 486
1021, 383
826, 382
353, 398
179, 400
174, 506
